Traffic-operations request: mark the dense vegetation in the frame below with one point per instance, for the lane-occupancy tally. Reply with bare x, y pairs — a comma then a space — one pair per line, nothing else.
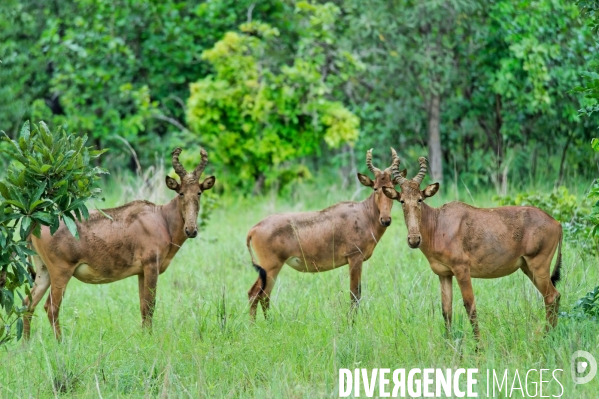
50, 180
287, 96
280, 89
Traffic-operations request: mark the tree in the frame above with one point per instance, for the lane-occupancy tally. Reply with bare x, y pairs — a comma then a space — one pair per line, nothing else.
530, 53
258, 112
503, 71
50, 179
111, 68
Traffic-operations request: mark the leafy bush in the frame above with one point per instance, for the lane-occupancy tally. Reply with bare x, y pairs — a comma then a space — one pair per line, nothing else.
586, 307
259, 112
594, 196
48, 180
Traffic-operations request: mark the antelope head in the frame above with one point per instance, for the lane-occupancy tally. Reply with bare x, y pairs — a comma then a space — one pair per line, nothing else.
411, 198
382, 179
190, 190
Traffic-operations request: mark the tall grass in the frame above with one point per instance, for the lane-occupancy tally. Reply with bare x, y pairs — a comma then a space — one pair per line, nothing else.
203, 344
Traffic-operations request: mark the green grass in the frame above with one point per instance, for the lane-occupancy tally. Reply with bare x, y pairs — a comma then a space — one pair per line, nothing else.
203, 344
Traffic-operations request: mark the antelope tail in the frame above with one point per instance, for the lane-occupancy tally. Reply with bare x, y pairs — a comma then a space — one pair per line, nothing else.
258, 268
31, 267
556, 275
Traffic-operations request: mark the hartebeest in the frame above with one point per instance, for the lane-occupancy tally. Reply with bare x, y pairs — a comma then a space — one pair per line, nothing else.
345, 233
138, 238
467, 242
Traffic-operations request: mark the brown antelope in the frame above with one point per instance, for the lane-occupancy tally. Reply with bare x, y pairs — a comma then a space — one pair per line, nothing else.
467, 242
138, 238
345, 233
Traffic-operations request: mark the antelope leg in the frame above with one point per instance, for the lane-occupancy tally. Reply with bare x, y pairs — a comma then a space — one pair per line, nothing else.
57, 290
148, 299
41, 285
462, 274
355, 280
446, 300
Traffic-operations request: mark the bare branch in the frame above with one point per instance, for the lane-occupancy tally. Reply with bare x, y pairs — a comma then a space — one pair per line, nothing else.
172, 121
133, 153
250, 10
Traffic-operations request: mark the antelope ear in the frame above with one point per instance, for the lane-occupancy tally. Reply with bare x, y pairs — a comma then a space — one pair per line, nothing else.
365, 180
391, 193
208, 183
430, 190
172, 184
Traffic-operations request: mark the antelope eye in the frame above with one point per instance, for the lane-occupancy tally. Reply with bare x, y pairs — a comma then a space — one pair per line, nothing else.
419, 199
200, 193
375, 189
180, 194
402, 201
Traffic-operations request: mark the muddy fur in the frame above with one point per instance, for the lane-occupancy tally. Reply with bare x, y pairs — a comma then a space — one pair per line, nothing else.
344, 233
138, 238
465, 242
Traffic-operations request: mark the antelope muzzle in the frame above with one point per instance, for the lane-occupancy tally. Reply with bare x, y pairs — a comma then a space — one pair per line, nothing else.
414, 240
191, 232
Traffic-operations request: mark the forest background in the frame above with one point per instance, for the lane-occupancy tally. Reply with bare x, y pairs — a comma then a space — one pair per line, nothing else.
287, 96
281, 90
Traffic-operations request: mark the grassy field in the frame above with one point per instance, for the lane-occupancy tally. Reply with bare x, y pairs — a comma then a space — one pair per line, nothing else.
203, 344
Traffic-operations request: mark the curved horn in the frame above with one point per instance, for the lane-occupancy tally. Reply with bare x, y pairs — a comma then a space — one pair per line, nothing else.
397, 177
395, 159
179, 169
369, 162
197, 172
422, 172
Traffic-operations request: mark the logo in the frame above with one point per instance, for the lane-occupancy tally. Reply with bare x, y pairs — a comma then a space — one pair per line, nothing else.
579, 367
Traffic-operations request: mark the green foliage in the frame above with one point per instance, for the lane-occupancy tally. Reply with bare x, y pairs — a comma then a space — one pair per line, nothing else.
504, 72
590, 9
210, 203
258, 112
110, 68
49, 179
22, 62
585, 307
594, 196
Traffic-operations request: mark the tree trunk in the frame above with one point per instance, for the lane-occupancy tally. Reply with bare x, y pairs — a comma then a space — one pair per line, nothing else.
562, 161
353, 168
98, 144
259, 184
534, 164
435, 154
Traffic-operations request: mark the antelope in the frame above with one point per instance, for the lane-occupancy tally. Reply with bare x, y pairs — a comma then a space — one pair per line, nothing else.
467, 242
345, 233
139, 238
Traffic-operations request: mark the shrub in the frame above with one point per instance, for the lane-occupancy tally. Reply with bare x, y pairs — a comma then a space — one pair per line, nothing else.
49, 179
586, 307
261, 113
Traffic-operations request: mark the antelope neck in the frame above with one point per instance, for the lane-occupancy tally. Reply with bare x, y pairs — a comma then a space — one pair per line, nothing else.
428, 225
372, 212
174, 222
